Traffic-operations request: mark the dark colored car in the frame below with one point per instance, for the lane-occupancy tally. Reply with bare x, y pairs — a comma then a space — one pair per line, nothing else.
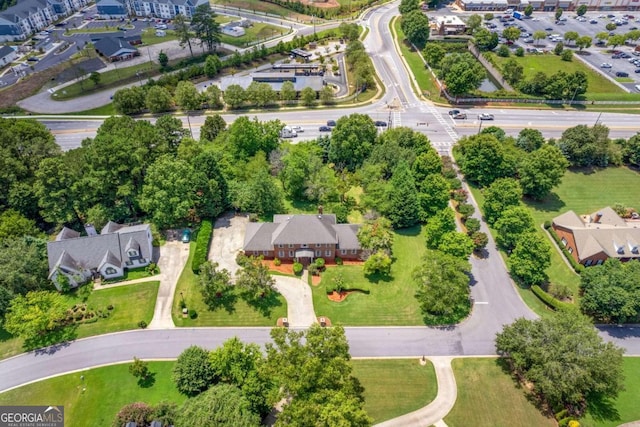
453, 112
186, 235
381, 124
622, 74
331, 123
324, 129
33, 59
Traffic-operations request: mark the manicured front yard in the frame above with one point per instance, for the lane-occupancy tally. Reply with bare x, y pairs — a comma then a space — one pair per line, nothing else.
96, 400
392, 388
391, 301
131, 304
488, 397
239, 313
258, 32
395, 387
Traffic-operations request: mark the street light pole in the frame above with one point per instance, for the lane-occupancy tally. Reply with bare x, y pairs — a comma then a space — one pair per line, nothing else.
574, 94
479, 126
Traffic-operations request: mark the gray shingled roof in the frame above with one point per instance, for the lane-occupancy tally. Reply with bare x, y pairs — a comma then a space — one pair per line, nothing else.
22, 9
110, 227
110, 46
5, 50
67, 233
347, 236
298, 229
258, 236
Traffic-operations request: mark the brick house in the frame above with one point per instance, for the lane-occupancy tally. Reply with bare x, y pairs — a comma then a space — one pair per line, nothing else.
591, 239
304, 237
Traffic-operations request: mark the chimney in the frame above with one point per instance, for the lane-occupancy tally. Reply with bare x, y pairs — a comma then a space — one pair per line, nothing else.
90, 229
598, 216
320, 209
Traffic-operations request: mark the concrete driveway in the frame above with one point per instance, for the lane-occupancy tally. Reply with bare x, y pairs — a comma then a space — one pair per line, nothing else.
227, 241
173, 258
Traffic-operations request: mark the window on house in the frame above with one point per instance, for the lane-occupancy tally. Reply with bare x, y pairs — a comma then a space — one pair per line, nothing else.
304, 245
110, 271
280, 253
570, 249
280, 245
318, 253
564, 241
343, 251
290, 245
265, 253
132, 253
599, 262
256, 253
587, 263
327, 253
354, 251
318, 245
290, 254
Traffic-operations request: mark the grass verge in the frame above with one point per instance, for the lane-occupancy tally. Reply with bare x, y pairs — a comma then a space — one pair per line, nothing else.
391, 300
488, 397
233, 311
394, 387
258, 32
91, 402
131, 304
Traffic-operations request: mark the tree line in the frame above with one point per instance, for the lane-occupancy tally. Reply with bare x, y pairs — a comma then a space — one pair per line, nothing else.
308, 372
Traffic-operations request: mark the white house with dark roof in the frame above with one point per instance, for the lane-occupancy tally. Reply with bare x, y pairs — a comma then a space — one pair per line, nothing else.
107, 254
591, 239
302, 237
7, 55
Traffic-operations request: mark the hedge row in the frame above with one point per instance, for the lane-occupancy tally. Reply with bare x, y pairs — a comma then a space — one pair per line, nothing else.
202, 245
577, 267
549, 300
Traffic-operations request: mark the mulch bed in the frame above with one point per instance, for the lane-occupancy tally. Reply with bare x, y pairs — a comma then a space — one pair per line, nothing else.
282, 268
339, 296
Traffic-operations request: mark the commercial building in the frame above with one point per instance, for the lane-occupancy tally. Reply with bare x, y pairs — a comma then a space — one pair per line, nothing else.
165, 9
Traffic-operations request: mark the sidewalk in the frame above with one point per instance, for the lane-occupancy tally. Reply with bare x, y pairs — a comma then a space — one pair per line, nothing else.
157, 277
433, 413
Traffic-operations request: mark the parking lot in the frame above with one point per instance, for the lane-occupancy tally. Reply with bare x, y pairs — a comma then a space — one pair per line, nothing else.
590, 24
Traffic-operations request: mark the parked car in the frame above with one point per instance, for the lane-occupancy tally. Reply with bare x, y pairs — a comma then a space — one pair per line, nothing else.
622, 74
637, 70
485, 116
186, 235
549, 29
454, 112
331, 123
33, 59
460, 116
637, 87
605, 65
593, 21
381, 124
324, 129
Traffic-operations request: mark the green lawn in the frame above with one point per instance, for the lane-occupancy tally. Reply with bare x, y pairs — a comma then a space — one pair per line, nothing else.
256, 33
108, 79
131, 304
132, 274
96, 400
625, 407
394, 387
599, 86
149, 37
391, 301
488, 397
105, 110
239, 313
259, 6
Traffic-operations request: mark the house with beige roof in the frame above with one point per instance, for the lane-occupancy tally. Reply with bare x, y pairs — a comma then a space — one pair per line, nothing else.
107, 254
592, 239
302, 237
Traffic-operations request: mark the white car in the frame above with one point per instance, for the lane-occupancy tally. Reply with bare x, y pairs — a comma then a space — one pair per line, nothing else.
485, 116
606, 65
637, 87
297, 128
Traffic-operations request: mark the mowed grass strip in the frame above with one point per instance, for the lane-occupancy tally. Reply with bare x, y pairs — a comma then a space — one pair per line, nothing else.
256, 33
551, 64
489, 397
394, 387
391, 301
240, 313
96, 400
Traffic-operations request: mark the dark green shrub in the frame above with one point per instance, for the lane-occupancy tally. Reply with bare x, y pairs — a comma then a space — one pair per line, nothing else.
110, 307
503, 51
142, 324
466, 210
549, 300
320, 263
313, 269
202, 245
193, 314
547, 225
242, 259
338, 260
473, 225
297, 268
520, 51
277, 262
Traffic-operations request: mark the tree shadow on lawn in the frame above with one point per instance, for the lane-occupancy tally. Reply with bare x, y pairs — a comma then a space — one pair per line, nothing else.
51, 342
378, 278
411, 231
602, 408
226, 301
551, 203
147, 381
265, 304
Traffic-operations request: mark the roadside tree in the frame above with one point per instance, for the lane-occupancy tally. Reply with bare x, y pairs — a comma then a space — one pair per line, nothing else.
584, 42
456, 244
415, 26
539, 35
308, 96
530, 259
182, 29
513, 222
511, 34
616, 40
440, 224
129, 100
581, 10
158, 99
485, 159
530, 139
222, 405
404, 209
571, 36
542, 170
163, 59
35, 314
187, 96
212, 127
500, 195
234, 96
528, 10
287, 91
192, 372
352, 141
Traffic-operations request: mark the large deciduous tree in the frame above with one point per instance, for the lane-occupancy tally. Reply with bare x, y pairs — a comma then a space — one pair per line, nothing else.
564, 360
192, 372
24, 265
486, 40
586, 146
214, 284
461, 73
530, 139
513, 222
485, 159
352, 141
223, 405
530, 259
456, 244
443, 287
404, 209
254, 279
541, 170
441, 223
129, 100
611, 291
35, 314
187, 96
212, 127
415, 26
500, 195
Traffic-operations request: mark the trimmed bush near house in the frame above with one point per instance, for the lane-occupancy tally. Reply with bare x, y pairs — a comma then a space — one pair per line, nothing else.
313, 270
547, 225
319, 262
549, 300
297, 268
338, 260
277, 262
202, 245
